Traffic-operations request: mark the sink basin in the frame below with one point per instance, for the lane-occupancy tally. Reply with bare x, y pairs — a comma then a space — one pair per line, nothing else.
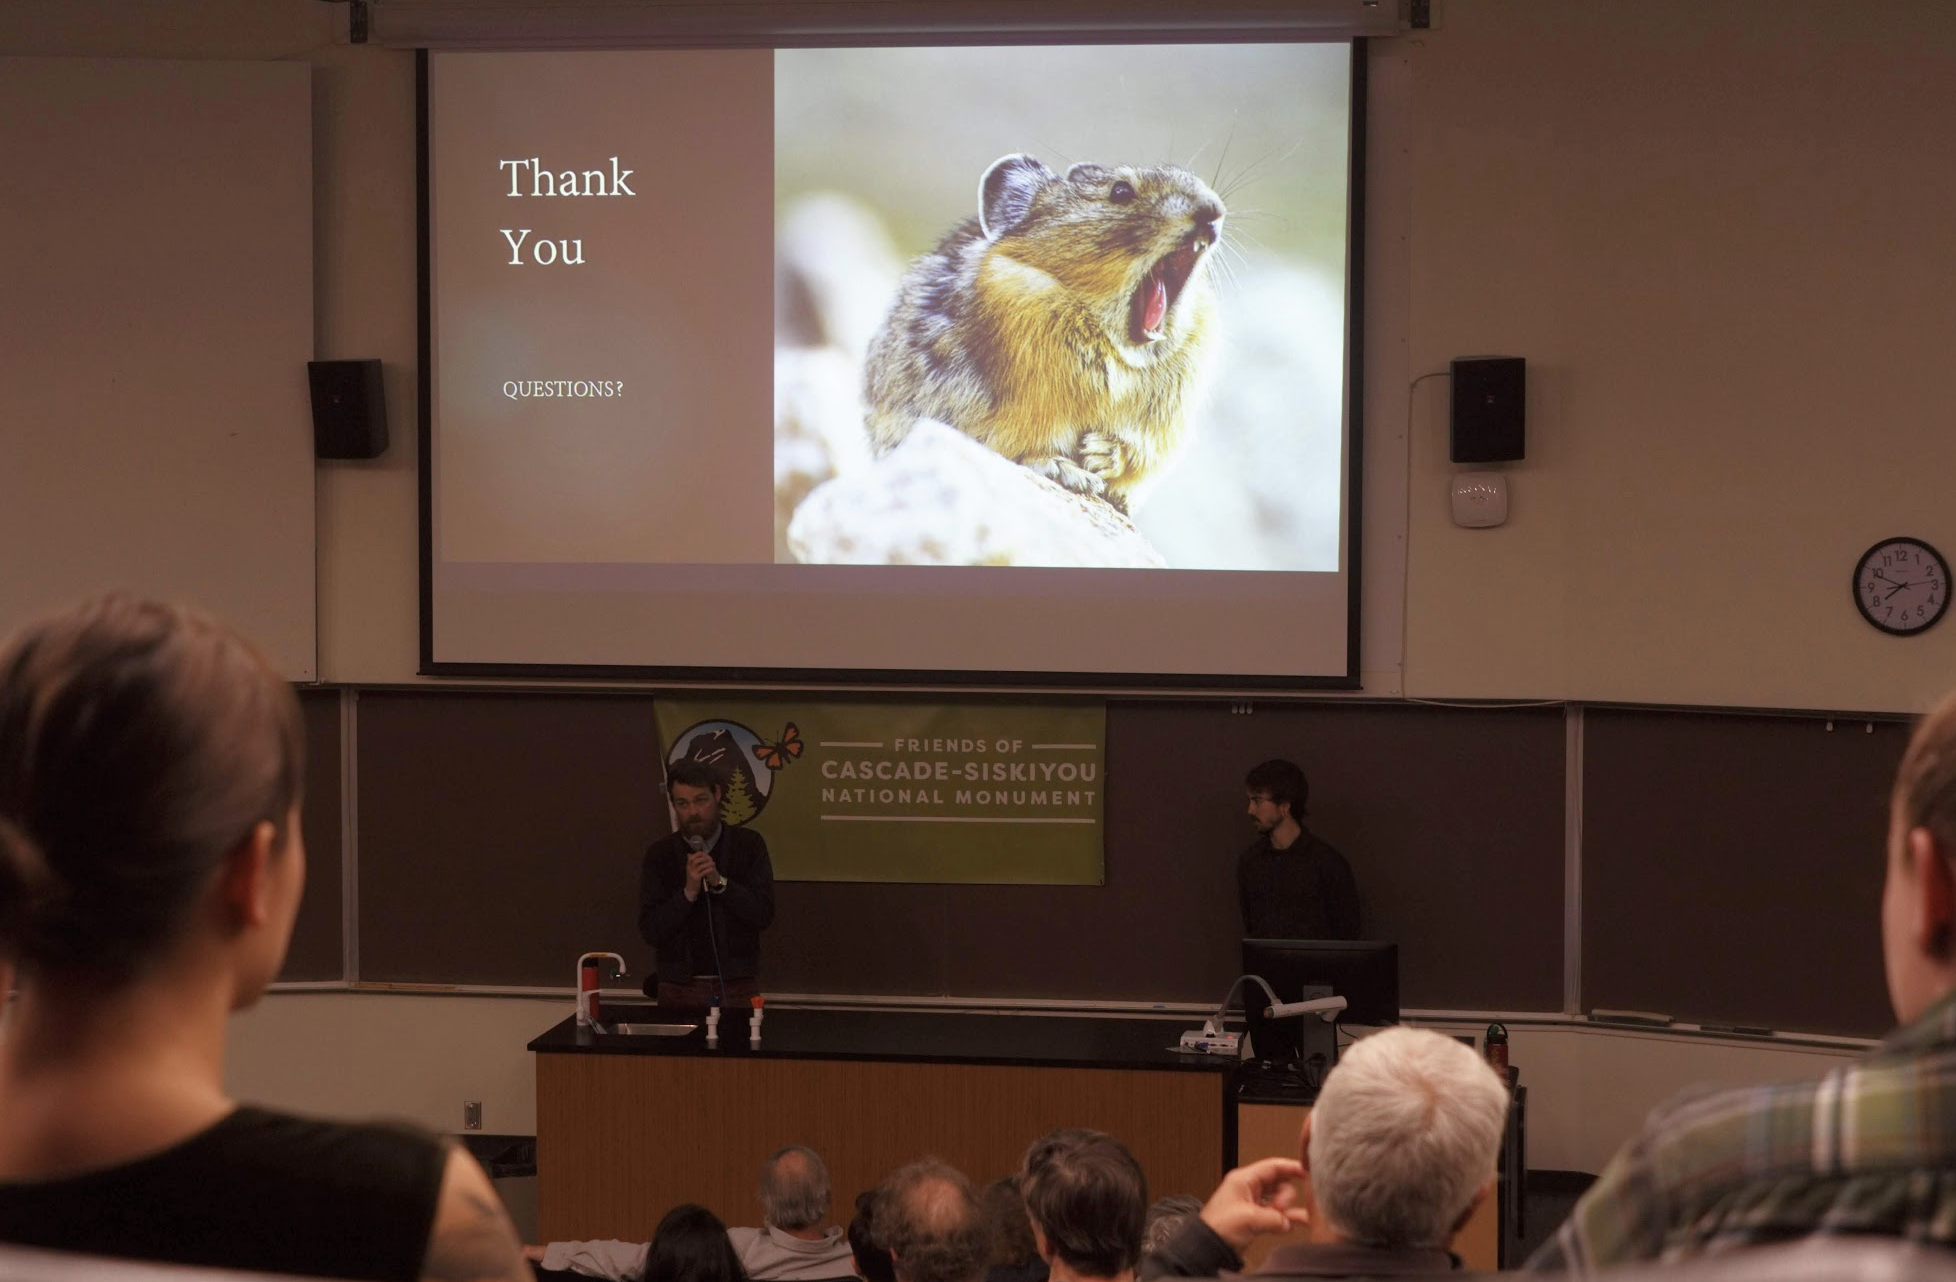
653, 1030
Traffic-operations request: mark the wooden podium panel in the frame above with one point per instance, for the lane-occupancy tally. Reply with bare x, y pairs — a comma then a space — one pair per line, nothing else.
623, 1138
1272, 1130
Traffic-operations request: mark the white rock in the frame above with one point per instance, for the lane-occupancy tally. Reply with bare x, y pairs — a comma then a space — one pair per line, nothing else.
835, 252
941, 498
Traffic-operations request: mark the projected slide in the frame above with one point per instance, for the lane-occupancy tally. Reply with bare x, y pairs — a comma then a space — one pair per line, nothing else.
891, 361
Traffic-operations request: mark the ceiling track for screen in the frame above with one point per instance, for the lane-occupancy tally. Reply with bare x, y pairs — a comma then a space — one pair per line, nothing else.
641, 24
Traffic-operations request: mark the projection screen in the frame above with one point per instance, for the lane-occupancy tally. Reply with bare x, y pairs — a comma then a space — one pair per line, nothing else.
1028, 364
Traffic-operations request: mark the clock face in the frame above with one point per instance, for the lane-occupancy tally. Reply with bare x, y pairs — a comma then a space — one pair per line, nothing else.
1901, 585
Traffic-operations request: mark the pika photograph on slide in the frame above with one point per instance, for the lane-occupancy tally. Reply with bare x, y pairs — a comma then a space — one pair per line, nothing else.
1065, 326
1062, 306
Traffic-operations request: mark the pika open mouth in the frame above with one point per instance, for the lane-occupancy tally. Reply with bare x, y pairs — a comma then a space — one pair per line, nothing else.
1148, 309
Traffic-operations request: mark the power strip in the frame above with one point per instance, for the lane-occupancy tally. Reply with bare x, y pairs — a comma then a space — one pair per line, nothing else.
1203, 1042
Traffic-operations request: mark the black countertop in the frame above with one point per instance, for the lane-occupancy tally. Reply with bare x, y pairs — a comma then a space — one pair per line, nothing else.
935, 1037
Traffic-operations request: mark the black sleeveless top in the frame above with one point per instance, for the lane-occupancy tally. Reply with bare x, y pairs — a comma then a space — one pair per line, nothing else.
259, 1190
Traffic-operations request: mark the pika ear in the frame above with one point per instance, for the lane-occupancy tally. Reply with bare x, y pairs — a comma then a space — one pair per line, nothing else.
1088, 172
1005, 193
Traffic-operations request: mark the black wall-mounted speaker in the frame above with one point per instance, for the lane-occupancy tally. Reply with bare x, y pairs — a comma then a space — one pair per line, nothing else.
349, 414
1489, 422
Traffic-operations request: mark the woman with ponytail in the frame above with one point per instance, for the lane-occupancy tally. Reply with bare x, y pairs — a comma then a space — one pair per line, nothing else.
150, 873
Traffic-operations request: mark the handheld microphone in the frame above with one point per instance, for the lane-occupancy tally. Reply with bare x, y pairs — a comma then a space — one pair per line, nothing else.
698, 844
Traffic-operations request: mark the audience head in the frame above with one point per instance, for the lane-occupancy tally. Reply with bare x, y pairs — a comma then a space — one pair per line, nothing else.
1166, 1218
1918, 919
872, 1257
1012, 1246
691, 1245
794, 1189
928, 1218
150, 771
1087, 1198
1403, 1140
1281, 781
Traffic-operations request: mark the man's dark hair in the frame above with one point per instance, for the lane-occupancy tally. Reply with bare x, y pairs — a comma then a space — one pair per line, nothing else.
1281, 781
928, 1218
1167, 1217
794, 1189
1087, 1194
694, 774
1012, 1246
871, 1256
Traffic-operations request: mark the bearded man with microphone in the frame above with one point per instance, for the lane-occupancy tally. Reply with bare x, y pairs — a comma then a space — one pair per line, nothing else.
705, 894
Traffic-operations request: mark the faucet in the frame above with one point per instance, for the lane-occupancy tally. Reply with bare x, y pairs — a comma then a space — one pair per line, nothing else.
587, 999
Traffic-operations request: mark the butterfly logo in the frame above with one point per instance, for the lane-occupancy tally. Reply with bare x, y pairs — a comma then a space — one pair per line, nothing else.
777, 755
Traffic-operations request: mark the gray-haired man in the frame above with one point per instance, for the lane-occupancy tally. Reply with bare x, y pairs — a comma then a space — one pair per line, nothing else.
790, 1246
1397, 1154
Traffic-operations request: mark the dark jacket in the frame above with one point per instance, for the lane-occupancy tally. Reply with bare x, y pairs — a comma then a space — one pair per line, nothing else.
1196, 1252
1305, 891
687, 934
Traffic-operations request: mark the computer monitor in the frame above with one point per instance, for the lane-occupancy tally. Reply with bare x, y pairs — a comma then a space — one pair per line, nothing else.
1363, 972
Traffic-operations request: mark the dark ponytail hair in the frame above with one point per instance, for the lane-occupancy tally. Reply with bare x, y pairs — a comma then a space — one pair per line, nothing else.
140, 743
691, 1245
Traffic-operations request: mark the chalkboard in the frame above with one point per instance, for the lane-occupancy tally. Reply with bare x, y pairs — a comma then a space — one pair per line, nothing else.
316, 951
1731, 863
1732, 867
500, 835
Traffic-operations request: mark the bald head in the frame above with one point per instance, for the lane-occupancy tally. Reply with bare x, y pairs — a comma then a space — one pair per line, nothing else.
794, 1189
929, 1218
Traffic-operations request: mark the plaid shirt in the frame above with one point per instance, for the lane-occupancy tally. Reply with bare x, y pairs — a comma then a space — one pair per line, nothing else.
1868, 1149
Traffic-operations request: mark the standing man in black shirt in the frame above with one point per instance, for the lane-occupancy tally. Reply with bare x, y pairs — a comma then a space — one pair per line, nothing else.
705, 894
1293, 886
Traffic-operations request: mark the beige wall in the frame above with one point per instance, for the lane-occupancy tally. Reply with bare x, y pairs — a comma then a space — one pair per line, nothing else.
365, 249
1715, 231
383, 1055
364, 271
153, 364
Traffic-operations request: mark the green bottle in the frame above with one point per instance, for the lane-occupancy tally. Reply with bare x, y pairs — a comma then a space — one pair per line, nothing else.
1496, 1048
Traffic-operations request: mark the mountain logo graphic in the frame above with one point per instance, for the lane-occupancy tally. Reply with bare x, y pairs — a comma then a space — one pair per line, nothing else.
743, 762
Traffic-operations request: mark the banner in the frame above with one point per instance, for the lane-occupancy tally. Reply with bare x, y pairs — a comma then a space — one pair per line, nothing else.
886, 791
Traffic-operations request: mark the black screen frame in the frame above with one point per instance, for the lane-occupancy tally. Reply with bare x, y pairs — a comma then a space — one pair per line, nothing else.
956, 679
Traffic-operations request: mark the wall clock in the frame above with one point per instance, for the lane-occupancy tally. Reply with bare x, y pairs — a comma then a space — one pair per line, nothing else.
1901, 586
